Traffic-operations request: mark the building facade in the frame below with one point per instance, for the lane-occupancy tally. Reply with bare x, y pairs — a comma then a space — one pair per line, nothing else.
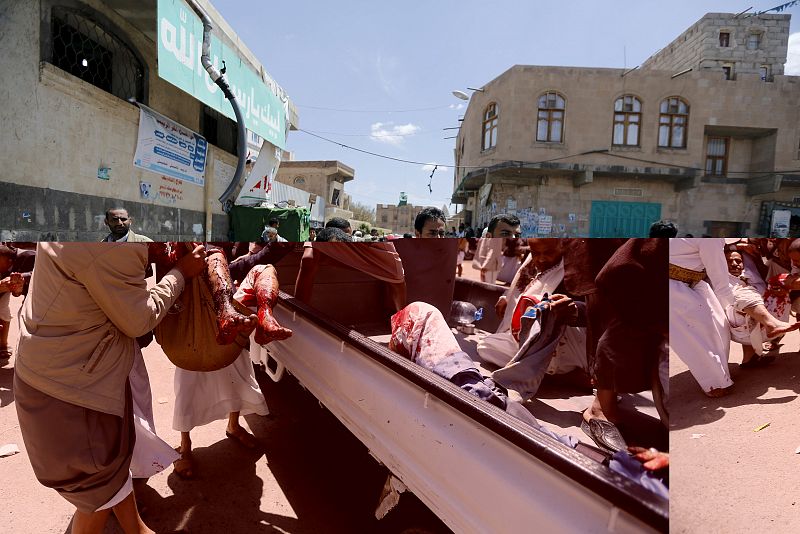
325, 180
70, 132
697, 135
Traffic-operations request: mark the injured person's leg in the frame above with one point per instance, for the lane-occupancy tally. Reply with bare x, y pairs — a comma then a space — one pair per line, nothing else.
773, 327
260, 287
420, 333
218, 278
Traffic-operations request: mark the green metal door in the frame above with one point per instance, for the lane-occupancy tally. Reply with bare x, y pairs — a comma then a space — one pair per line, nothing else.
622, 219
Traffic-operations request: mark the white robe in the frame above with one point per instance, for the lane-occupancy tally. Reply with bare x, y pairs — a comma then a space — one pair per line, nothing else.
698, 329
201, 398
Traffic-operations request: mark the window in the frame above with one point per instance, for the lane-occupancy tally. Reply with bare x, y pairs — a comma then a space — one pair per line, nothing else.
489, 127
299, 180
627, 119
81, 47
550, 121
219, 130
335, 197
672, 122
727, 72
765, 73
724, 39
754, 41
717, 156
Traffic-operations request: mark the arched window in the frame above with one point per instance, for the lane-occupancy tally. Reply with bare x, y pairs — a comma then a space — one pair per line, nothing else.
627, 120
83, 47
489, 127
673, 121
550, 120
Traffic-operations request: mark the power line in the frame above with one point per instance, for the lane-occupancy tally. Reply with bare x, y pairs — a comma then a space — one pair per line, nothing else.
523, 164
340, 110
341, 134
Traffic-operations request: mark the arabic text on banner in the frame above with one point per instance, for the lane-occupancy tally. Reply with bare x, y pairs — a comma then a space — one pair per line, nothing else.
167, 148
180, 42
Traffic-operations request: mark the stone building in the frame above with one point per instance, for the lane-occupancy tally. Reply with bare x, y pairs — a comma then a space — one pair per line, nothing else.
698, 135
69, 132
400, 218
325, 179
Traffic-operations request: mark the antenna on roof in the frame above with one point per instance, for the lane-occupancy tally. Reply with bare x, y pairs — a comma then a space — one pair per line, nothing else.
743, 12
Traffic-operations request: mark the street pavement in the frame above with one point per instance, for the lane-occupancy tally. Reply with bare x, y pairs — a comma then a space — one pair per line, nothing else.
726, 477
311, 475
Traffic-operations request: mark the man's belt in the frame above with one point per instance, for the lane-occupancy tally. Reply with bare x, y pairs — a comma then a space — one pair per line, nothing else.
682, 274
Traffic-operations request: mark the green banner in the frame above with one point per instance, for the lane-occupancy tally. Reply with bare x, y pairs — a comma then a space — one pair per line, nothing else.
180, 42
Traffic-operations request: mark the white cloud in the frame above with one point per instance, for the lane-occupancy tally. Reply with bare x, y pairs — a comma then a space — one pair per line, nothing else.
456, 106
429, 167
792, 67
391, 133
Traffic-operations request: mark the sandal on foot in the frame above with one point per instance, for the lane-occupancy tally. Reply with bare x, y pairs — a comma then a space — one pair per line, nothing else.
716, 393
6, 352
244, 438
605, 434
184, 466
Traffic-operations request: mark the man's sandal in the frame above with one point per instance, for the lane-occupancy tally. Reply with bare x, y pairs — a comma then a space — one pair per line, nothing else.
184, 466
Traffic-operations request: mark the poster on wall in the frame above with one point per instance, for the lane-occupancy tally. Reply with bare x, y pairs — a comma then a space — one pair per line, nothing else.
545, 224
780, 223
165, 147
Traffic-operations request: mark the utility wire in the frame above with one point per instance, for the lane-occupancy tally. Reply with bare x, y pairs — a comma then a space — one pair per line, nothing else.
523, 164
373, 110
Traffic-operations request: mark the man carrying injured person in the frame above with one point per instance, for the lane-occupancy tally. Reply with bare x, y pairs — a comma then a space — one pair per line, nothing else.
203, 397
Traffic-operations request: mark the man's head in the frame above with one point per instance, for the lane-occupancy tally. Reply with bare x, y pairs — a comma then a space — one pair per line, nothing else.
341, 224
7, 255
546, 253
274, 223
663, 229
794, 252
374, 232
429, 223
735, 262
118, 222
332, 234
271, 234
504, 226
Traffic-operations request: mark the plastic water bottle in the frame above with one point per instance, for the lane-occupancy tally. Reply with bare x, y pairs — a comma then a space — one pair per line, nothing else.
478, 314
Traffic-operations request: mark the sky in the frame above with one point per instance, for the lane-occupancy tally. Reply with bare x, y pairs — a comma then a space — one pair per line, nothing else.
378, 75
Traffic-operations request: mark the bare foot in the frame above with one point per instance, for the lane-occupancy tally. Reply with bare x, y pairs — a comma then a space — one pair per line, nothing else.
265, 284
231, 322
780, 328
268, 328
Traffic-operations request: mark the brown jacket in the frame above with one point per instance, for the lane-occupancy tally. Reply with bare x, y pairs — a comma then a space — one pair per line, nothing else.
87, 302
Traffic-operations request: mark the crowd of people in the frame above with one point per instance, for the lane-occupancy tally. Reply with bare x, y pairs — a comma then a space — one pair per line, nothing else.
731, 290
572, 308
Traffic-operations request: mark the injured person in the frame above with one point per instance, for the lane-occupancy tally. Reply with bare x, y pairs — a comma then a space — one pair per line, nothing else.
421, 334
751, 323
230, 322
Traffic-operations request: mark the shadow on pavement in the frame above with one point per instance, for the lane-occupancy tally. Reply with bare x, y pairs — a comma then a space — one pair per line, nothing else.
694, 408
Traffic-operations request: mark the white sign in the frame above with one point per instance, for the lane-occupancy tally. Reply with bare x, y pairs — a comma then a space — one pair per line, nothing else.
165, 147
258, 186
780, 223
511, 205
545, 224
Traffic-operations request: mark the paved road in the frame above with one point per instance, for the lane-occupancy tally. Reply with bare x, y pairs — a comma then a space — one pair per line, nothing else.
725, 477
312, 476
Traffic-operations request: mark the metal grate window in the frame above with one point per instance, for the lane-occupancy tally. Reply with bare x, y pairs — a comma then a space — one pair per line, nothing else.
81, 47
